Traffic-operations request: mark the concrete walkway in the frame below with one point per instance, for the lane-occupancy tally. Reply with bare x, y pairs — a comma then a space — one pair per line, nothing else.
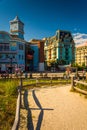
53, 108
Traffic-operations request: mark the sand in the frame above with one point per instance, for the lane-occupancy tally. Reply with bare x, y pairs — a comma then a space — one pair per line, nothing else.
53, 108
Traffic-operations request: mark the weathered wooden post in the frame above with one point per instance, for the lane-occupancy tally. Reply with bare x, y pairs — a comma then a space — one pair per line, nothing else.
72, 82
51, 80
20, 89
76, 72
86, 75
21, 82
30, 75
17, 115
26, 75
67, 77
36, 81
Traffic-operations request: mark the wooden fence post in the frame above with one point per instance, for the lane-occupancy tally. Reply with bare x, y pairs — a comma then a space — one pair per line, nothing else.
51, 80
21, 82
36, 81
72, 82
20, 90
86, 75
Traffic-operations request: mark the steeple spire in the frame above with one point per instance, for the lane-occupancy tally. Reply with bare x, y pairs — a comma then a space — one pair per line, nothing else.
16, 18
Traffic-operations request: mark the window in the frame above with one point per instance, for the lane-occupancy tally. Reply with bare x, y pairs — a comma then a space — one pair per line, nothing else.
20, 47
22, 57
1, 47
0, 56
19, 57
7, 56
66, 46
4, 47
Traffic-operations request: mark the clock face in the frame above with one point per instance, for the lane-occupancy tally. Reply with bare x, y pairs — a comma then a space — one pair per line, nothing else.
14, 27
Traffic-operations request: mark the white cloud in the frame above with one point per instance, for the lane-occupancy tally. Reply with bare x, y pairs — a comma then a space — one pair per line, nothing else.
79, 38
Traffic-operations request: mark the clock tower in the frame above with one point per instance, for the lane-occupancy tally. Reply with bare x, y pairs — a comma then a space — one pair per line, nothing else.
17, 27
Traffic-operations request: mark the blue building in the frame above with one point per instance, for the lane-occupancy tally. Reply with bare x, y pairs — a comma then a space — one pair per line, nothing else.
37, 46
12, 47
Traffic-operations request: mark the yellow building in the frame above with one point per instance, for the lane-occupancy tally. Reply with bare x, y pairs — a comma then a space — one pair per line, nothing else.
81, 54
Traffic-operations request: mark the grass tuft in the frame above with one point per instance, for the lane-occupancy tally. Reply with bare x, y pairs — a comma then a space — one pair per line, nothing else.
8, 95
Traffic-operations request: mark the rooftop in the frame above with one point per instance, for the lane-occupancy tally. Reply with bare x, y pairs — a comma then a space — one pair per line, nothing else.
16, 19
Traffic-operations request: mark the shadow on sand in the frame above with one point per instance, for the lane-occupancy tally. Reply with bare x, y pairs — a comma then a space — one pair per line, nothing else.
29, 116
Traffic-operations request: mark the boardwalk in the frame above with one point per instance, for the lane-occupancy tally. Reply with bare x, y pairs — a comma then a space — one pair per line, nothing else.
53, 108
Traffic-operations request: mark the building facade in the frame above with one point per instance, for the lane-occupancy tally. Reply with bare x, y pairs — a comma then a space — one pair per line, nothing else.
15, 52
12, 47
81, 54
59, 47
38, 58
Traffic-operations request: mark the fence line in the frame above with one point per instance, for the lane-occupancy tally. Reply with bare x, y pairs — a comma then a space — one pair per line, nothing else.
79, 82
17, 115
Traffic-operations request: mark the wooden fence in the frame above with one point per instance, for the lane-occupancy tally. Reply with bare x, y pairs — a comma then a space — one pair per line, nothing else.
17, 115
73, 82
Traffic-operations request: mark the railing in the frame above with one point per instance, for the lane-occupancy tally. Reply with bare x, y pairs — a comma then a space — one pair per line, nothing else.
7, 60
44, 75
45, 81
38, 75
79, 82
4, 51
17, 116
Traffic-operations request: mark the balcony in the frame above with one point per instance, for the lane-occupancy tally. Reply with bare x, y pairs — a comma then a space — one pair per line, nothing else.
5, 60
29, 57
8, 52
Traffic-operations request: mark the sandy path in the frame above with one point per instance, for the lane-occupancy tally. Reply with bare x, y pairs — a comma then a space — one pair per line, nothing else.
53, 108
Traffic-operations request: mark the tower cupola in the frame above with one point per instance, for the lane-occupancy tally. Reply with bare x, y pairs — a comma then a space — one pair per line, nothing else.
17, 27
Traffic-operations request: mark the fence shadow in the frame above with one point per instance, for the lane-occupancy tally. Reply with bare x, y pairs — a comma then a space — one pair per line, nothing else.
29, 115
40, 117
30, 125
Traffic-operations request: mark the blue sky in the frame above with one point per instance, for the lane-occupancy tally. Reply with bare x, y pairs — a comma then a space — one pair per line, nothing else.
43, 17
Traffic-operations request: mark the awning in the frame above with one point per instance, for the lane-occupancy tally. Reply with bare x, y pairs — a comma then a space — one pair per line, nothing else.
30, 57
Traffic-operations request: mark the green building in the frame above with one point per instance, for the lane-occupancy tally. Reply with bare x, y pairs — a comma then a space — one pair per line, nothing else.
59, 48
